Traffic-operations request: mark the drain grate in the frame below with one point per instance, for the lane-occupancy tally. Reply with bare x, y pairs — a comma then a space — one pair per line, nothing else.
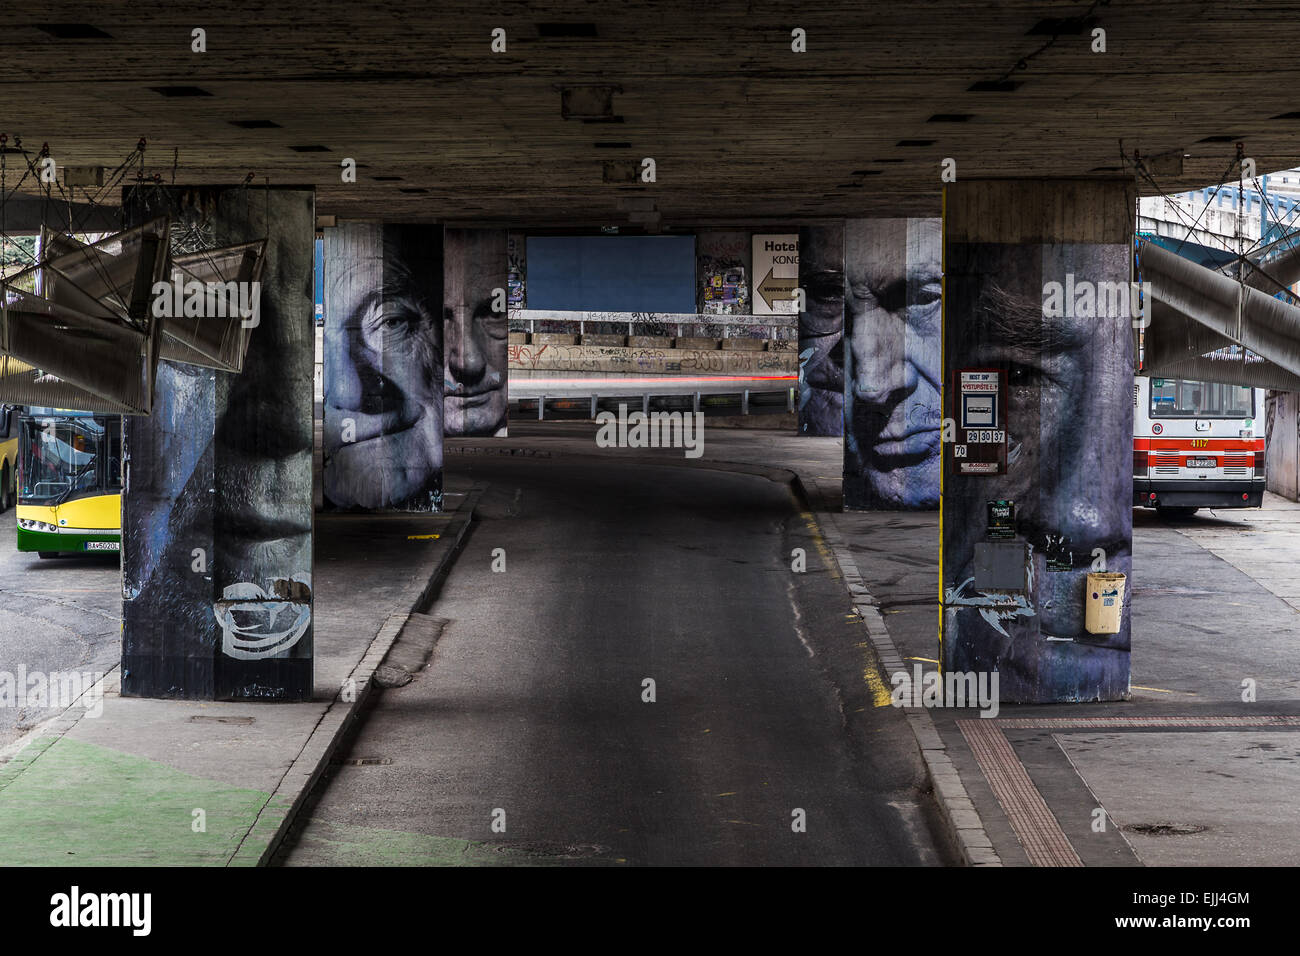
1165, 829
210, 719
362, 761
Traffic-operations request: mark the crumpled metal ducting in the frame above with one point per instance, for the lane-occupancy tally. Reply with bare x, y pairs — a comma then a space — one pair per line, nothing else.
1196, 310
216, 340
1276, 268
87, 339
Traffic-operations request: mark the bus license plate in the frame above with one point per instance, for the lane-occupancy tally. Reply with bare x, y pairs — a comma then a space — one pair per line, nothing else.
1202, 462
103, 546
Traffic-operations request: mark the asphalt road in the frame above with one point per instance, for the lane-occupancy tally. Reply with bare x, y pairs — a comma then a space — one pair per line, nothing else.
531, 712
57, 615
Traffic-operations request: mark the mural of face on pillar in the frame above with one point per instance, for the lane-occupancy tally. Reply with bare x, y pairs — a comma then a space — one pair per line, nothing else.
1069, 431
475, 397
384, 365
217, 516
893, 317
262, 514
821, 330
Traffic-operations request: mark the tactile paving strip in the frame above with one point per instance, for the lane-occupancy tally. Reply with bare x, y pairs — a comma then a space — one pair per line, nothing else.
1082, 723
1044, 841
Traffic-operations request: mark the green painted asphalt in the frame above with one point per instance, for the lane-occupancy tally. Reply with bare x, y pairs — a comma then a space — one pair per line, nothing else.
72, 803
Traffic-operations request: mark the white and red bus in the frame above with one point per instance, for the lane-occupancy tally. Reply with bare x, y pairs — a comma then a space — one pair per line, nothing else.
1197, 445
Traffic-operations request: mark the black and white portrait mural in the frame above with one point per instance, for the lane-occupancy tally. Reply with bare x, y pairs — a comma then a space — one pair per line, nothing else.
383, 367
475, 279
821, 330
1043, 495
217, 512
893, 363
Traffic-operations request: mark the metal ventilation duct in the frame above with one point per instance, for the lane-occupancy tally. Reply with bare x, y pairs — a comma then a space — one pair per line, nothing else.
220, 338
87, 338
1196, 310
215, 339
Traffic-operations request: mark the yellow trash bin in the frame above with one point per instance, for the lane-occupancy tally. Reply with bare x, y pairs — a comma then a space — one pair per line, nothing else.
1105, 602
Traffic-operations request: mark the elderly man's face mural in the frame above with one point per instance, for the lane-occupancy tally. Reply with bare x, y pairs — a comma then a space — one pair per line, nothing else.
893, 320
475, 399
383, 402
1069, 428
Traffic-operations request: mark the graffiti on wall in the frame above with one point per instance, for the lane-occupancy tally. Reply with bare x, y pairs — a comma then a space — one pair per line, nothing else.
517, 271
722, 270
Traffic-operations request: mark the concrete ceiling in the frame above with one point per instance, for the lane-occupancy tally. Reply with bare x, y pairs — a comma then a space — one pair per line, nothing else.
742, 129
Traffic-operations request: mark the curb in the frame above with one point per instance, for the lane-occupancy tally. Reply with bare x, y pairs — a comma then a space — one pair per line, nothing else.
268, 832
965, 828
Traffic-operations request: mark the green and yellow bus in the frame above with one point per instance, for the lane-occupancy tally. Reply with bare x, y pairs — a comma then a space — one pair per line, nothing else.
8, 456
69, 482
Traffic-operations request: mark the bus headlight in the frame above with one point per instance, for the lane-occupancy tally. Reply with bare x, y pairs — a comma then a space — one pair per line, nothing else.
27, 524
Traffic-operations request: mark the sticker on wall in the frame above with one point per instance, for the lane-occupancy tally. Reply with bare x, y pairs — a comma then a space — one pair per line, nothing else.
980, 446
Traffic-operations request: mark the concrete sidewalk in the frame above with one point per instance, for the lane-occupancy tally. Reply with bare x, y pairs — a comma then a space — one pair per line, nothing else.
182, 783
1184, 773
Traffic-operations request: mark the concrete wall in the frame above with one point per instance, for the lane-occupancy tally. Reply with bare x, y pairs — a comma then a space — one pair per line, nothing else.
1282, 462
535, 360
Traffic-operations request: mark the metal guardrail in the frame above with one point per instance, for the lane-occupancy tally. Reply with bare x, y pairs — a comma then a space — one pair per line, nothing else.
647, 387
777, 324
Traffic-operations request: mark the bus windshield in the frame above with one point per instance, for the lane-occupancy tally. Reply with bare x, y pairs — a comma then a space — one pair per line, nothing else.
64, 458
1180, 398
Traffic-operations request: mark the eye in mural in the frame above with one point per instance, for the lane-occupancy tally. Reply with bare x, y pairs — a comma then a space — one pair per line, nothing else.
474, 389
383, 375
821, 330
892, 316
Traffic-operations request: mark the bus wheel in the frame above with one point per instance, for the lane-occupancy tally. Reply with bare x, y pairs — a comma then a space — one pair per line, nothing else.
1165, 511
47, 554
5, 499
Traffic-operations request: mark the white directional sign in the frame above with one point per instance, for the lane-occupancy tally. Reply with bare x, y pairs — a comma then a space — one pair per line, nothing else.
776, 274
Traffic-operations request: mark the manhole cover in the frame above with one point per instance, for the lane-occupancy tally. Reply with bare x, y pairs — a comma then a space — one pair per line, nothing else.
1165, 829
363, 761
210, 719
562, 851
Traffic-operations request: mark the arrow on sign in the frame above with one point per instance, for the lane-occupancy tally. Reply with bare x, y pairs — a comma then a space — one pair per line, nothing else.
772, 288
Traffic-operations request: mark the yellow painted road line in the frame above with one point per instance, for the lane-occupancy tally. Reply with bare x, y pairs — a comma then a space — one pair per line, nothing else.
820, 544
422, 537
928, 660
880, 694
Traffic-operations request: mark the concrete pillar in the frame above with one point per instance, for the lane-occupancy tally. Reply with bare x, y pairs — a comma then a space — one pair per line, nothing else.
893, 374
475, 284
1037, 485
821, 328
217, 505
383, 417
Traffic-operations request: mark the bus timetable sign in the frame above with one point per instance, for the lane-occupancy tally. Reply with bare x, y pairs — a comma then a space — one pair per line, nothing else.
980, 444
